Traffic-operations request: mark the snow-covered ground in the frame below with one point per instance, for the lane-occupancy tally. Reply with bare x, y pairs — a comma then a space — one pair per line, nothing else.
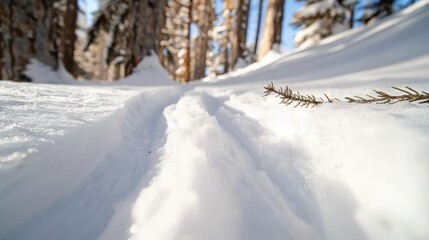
216, 160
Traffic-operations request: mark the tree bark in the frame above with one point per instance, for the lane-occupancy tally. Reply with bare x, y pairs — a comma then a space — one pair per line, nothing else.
230, 42
30, 29
160, 23
239, 39
273, 27
188, 46
352, 17
46, 35
258, 29
206, 16
17, 43
278, 24
69, 36
26, 33
4, 30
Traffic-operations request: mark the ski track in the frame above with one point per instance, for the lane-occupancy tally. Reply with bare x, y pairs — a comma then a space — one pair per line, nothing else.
84, 211
280, 159
253, 179
145, 185
199, 174
189, 155
278, 178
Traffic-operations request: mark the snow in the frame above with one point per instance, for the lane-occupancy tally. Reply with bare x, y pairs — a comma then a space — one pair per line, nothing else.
148, 73
319, 19
215, 159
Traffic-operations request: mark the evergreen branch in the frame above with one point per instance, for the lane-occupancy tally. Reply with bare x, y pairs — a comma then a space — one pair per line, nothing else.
288, 97
409, 95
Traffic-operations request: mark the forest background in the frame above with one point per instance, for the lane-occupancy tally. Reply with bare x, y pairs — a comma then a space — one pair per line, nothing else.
107, 39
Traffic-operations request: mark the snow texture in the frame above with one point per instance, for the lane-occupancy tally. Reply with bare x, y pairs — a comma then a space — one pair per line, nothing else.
216, 160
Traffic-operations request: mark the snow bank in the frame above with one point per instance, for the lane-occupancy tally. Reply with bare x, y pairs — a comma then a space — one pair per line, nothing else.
41, 73
33, 115
148, 73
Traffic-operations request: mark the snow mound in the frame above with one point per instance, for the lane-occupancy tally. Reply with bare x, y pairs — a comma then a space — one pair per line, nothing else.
40, 73
149, 72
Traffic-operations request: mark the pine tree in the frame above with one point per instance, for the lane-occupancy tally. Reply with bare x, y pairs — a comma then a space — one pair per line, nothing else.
377, 10
319, 19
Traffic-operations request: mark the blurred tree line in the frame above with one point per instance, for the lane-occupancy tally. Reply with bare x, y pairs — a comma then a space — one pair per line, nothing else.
189, 37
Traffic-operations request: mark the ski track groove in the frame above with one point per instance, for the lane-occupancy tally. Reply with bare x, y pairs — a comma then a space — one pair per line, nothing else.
256, 163
275, 162
244, 172
91, 204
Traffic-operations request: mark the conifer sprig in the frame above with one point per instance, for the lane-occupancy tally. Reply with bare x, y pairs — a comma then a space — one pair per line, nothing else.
288, 97
409, 95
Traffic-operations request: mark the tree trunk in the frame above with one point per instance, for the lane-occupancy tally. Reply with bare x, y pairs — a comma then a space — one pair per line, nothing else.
31, 29
17, 27
239, 40
160, 23
278, 24
26, 33
1, 58
69, 36
272, 28
46, 35
231, 37
151, 19
5, 16
352, 17
188, 46
226, 68
206, 17
258, 29
131, 34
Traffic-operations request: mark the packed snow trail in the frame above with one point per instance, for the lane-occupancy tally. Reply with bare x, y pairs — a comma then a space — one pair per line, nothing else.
216, 160
130, 135
224, 165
